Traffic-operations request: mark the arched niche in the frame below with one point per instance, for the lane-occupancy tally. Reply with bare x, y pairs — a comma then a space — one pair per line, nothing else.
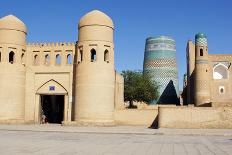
220, 71
51, 87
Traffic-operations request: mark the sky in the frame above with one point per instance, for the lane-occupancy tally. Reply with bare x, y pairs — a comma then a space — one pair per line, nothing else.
134, 20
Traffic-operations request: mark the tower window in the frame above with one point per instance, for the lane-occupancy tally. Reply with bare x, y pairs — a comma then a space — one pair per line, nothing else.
93, 55
69, 59
58, 59
106, 56
0, 56
36, 62
81, 54
221, 89
201, 52
23, 58
47, 59
11, 57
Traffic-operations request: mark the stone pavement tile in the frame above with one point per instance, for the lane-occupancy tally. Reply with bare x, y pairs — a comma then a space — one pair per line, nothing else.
212, 145
27, 142
191, 149
179, 149
167, 149
227, 149
203, 149
141, 148
154, 149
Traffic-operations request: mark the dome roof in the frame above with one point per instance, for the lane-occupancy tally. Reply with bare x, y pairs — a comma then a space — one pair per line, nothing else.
12, 22
200, 35
96, 17
201, 39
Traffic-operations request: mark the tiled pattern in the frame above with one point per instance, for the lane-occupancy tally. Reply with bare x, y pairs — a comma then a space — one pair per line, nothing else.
160, 62
201, 39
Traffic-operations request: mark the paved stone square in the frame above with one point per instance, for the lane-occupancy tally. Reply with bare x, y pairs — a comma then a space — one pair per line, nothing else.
50, 142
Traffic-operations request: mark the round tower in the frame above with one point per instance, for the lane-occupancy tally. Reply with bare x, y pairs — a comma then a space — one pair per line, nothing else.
160, 63
12, 68
202, 82
95, 73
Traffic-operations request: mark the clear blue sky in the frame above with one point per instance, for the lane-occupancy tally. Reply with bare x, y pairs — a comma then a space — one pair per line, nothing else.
56, 20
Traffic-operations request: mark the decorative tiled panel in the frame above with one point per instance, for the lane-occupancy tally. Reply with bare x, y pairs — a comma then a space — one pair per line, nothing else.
226, 63
202, 62
201, 39
159, 54
160, 63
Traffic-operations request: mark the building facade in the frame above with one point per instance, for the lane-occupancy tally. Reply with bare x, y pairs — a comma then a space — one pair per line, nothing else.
160, 63
208, 75
59, 82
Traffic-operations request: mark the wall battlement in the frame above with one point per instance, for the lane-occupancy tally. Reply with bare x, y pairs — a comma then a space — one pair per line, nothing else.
51, 44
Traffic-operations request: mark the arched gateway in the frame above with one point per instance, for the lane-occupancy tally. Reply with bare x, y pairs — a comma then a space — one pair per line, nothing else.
52, 103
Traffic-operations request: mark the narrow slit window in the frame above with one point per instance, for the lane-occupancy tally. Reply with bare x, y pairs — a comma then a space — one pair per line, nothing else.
0, 56
201, 52
11, 57
81, 55
58, 59
106, 56
23, 58
93, 55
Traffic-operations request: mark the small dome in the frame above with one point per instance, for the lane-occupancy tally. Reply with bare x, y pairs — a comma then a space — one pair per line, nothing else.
200, 39
13, 23
96, 17
200, 35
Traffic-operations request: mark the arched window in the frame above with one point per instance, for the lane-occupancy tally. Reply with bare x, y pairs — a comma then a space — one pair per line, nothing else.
201, 52
93, 55
106, 56
11, 57
36, 60
47, 59
23, 58
220, 71
58, 59
69, 59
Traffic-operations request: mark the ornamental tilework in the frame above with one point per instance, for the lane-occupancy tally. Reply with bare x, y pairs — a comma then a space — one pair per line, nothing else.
200, 39
160, 63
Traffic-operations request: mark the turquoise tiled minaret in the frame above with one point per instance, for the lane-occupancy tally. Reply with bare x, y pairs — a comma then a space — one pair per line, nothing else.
202, 71
160, 63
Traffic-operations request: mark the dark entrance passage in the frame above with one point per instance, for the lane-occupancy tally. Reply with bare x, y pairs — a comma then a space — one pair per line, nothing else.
52, 108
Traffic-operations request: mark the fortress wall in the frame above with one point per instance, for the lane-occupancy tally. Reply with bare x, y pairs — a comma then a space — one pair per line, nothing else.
119, 92
143, 117
39, 73
52, 49
195, 117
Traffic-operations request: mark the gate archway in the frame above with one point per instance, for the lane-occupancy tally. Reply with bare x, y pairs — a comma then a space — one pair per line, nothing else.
51, 103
